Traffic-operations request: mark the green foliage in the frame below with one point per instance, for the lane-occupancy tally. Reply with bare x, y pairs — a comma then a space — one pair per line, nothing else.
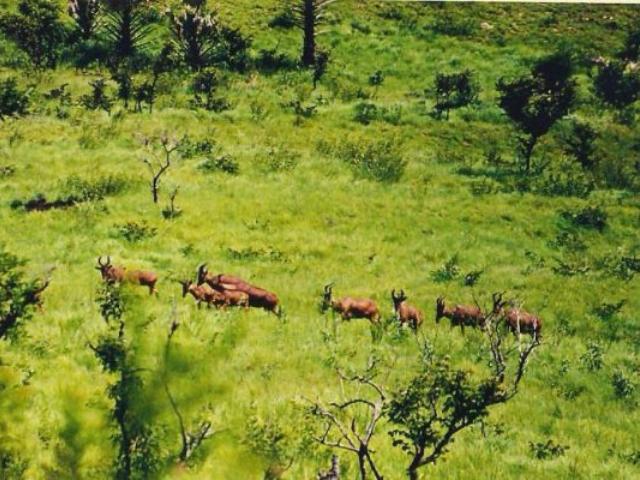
126, 28
454, 90
375, 160
277, 158
37, 30
221, 163
85, 14
98, 99
135, 232
453, 26
13, 101
593, 358
204, 86
450, 270
17, 295
89, 190
593, 217
606, 311
615, 86
579, 143
195, 33
535, 102
547, 450
623, 387
111, 304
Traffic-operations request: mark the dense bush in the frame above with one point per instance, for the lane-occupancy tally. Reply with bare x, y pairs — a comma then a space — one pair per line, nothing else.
13, 101
37, 30
615, 86
135, 232
98, 98
579, 142
589, 217
378, 160
221, 163
448, 271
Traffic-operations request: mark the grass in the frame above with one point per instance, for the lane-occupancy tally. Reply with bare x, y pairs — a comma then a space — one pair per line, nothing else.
293, 230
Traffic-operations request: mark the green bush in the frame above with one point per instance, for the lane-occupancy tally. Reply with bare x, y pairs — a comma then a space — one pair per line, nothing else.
375, 160
592, 217
135, 232
222, 163
546, 450
13, 101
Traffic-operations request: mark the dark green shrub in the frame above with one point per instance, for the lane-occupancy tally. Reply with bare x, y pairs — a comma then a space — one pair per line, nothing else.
448, 24
569, 241
453, 91
448, 271
98, 99
606, 311
13, 101
37, 30
196, 148
546, 450
623, 387
84, 190
222, 163
365, 112
471, 278
622, 266
579, 142
593, 358
615, 86
85, 15
135, 232
592, 217
375, 160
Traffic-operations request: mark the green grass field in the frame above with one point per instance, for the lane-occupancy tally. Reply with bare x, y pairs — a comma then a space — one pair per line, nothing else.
295, 218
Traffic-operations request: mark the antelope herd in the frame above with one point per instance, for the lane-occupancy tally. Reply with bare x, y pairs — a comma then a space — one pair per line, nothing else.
223, 291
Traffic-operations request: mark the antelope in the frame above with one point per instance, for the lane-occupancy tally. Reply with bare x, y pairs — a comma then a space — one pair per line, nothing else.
406, 313
349, 308
258, 297
462, 315
204, 293
111, 274
518, 320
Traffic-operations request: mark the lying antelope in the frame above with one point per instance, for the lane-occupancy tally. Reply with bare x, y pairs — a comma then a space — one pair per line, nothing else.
204, 293
517, 319
111, 273
349, 308
258, 297
462, 315
405, 313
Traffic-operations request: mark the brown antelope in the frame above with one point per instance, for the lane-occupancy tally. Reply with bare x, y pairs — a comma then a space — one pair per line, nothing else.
349, 308
258, 297
111, 273
462, 315
405, 313
517, 319
204, 293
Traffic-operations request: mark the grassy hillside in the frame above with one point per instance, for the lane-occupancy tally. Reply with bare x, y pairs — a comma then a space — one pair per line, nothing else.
296, 217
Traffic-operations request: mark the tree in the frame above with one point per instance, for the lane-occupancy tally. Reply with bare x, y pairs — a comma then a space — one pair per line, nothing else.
616, 86
126, 27
13, 101
454, 90
441, 401
195, 34
159, 167
320, 66
309, 14
98, 99
343, 426
631, 50
17, 295
85, 15
37, 30
535, 102
579, 143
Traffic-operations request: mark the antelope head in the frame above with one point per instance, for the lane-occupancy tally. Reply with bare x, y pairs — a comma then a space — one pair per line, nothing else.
202, 274
439, 309
104, 268
326, 297
397, 299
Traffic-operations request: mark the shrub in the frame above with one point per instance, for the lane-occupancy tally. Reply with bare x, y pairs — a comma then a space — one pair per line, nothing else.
623, 266
623, 387
13, 101
453, 91
98, 99
375, 160
196, 148
546, 450
447, 24
90, 190
135, 232
365, 112
37, 30
277, 158
593, 358
471, 278
605, 311
221, 163
592, 217
559, 182
579, 143
568, 241
615, 86
448, 271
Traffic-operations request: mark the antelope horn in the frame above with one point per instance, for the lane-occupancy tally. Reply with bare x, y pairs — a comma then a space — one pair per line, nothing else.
108, 260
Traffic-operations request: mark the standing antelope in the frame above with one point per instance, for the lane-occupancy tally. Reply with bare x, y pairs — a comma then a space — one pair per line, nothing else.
349, 308
405, 313
258, 297
113, 274
518, 320
204, 293
462, 315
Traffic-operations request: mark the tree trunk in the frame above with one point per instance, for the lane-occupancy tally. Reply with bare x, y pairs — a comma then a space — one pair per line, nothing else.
528, 151
361, 465
309, 42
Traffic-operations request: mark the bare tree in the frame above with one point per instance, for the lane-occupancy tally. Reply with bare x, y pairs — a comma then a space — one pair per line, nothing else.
190, 440
159, 167
310, 14
342, 428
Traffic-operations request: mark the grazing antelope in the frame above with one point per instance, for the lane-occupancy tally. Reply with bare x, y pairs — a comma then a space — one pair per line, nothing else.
258, 297
113, 274
349, 308
517, 319
405, 313
462, 315
204, 293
